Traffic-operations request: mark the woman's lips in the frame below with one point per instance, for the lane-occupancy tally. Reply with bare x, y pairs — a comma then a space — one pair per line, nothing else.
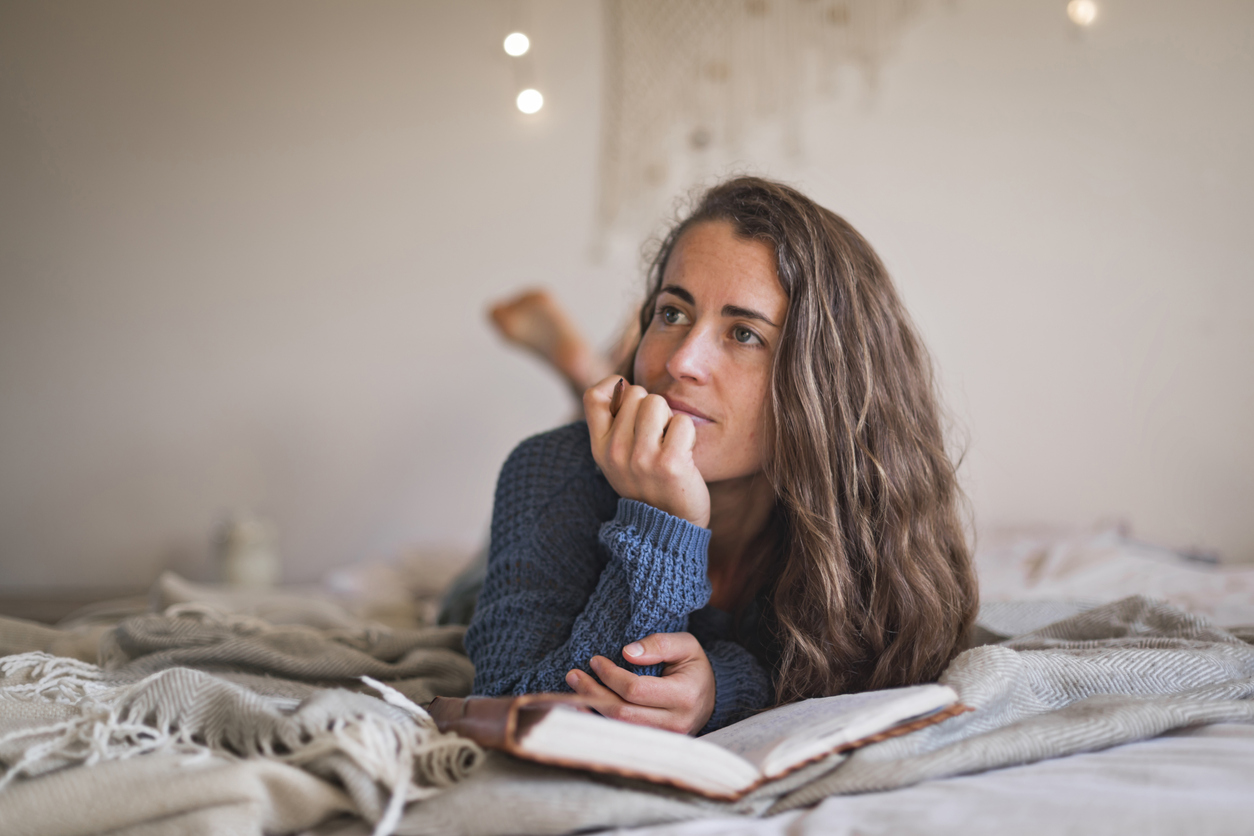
696, 415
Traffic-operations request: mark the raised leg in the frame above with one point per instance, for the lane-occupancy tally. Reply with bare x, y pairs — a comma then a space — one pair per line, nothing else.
535, 321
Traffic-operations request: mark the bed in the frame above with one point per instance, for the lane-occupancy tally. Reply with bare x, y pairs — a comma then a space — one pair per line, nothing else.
1113, 683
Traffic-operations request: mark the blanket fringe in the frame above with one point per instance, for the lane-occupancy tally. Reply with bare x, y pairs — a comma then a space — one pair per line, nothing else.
394, 745
58, 679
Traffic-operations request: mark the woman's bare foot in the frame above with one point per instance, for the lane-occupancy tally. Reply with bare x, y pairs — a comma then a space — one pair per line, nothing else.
534, 320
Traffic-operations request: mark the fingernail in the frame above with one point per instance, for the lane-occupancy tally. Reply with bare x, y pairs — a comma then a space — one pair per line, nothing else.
572, 678
616, 402
633, 649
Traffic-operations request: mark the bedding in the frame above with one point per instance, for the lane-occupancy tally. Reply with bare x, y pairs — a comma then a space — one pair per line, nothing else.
1114, 674
216, 688
1104, 564
189, 723
1192, 781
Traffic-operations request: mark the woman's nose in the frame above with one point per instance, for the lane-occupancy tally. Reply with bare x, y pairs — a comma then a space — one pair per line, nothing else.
692, 358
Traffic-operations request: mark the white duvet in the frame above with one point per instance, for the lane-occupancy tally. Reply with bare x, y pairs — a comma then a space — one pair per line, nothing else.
1199, 781
1104, 565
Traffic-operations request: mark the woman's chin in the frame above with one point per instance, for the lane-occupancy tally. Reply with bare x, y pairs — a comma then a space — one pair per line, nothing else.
718, 465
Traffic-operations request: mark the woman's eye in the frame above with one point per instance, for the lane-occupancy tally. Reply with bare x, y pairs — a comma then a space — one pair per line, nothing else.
672, 316
745, 336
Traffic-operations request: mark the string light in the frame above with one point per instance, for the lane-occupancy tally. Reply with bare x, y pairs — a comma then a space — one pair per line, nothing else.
1082, 12
516, 44
530, 100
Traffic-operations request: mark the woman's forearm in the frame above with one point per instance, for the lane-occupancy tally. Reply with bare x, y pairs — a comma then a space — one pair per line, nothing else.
564, 586
529, 633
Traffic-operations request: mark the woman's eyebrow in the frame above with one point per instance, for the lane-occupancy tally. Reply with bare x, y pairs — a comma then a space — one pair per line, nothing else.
746, 313
676, 290
728, 310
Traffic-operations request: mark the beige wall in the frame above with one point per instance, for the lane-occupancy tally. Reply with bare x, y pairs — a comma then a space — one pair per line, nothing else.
244, 249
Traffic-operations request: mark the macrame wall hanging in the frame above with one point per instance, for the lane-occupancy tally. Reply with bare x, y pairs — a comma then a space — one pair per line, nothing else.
686, 79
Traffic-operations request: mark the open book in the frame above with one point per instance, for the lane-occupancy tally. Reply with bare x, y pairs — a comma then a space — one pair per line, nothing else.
558, 729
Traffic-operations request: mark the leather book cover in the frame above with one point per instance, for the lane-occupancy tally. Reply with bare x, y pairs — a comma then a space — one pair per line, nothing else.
501, 722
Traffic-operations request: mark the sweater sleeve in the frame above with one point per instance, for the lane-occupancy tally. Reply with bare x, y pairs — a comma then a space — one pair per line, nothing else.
562, 585
741, 686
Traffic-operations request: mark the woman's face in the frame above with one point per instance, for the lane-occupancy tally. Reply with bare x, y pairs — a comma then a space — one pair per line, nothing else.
709, 346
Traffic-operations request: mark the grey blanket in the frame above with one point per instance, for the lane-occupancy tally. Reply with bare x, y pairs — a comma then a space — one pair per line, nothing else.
289, 660
1109, 675
1113, 674
1117, 673
212, 695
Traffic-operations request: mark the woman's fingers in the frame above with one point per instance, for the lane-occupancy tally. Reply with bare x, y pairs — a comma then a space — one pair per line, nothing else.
596, 695
609, 704
613, 435
663, 648
645, 450
596, 406
616, 399
622, 436
651, 418
614, 409
614, 677
680, 700
681, 437
649, 691
647, 700
585, 685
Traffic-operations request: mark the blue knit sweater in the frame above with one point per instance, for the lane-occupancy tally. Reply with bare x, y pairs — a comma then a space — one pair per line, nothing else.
575, 571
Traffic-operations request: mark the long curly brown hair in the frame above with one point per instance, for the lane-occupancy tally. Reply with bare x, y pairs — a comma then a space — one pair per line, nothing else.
875, 588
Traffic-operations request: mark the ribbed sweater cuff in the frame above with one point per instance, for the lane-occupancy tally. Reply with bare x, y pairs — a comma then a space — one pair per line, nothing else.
667, 532
670, 571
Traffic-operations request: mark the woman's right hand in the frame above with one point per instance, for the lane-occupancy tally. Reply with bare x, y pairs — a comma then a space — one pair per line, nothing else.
645, 451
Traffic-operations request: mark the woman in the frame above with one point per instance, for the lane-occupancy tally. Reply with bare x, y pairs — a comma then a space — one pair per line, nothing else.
763, 511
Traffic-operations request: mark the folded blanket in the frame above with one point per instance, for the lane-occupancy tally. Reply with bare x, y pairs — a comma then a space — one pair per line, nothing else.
290, 660
1108, 675
1112, 674
166, 795
202, 684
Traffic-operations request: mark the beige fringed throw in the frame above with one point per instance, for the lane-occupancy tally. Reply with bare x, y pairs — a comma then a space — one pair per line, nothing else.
1071, 681
288, 659
60, 712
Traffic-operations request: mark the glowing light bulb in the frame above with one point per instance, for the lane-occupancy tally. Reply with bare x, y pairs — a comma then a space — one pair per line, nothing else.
1082, 12
516, 43
530, 100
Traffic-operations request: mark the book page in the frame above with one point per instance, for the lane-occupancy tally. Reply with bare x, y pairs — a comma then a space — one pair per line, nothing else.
589, 741
822, 719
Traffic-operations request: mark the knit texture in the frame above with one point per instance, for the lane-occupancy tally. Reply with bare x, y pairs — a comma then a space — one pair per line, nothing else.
575, 571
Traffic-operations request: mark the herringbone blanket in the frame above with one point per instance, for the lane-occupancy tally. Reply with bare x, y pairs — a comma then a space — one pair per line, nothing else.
199, 689
288, 660
1110, 675
1113, 674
